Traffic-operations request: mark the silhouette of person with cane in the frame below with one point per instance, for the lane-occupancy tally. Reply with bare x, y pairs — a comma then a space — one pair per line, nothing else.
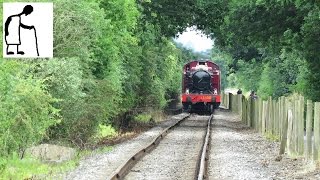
12, 30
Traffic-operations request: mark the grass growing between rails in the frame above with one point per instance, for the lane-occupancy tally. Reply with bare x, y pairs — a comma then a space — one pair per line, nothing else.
30, 168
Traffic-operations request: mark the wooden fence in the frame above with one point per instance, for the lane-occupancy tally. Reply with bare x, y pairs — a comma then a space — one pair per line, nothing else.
291, 120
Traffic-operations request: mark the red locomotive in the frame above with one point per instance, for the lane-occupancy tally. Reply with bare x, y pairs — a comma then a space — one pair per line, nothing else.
201, 86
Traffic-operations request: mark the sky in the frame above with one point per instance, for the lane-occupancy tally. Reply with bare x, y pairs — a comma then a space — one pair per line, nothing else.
195, 40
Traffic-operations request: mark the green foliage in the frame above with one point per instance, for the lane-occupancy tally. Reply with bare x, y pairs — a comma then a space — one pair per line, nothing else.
249, 74
266, 87
105, 131
302, 83
233, 81
13, 167
64, 79
26, 110
165, 15
144, 118
16, 168
115, 55
110, 56
310, 48
84, 20
282, 36
222, 59
28, 168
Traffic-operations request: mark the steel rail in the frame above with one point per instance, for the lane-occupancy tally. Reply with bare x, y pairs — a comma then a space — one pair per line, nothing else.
203, 163
122, 170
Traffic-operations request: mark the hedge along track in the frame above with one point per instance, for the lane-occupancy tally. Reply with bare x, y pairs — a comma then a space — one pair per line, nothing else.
122, 171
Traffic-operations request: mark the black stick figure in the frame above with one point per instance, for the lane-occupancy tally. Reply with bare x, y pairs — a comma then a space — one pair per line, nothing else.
12, 29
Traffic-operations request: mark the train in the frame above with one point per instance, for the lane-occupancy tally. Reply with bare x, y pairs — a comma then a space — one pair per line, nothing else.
201, 83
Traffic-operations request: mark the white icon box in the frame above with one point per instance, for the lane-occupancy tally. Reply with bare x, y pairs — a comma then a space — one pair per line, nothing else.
27, 30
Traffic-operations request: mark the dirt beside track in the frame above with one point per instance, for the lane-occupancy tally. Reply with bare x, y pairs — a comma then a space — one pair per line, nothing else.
238, 152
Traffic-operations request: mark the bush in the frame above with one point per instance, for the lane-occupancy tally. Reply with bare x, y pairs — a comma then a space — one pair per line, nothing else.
25, 108
266, 85
143, 118
105, 131
65, 81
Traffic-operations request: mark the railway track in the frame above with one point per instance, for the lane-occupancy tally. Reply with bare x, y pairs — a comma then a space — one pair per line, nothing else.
179, 150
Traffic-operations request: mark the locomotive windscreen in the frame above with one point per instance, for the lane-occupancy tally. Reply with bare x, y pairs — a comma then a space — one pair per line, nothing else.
201, 81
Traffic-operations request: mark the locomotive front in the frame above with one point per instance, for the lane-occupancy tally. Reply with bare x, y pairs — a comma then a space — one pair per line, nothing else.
201, 81
201, 86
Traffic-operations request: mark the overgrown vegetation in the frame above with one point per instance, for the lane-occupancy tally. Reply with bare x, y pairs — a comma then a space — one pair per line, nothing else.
13, 167
109, 59
273, 45
118, 55
268, 46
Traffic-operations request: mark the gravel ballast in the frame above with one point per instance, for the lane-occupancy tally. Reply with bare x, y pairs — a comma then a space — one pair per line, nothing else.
101, 166
176, 155
237, 152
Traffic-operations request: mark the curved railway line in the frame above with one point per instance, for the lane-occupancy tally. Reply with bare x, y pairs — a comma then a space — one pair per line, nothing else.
189, 143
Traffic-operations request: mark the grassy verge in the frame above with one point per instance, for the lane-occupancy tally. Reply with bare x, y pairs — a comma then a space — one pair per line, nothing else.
149, 117
30, 168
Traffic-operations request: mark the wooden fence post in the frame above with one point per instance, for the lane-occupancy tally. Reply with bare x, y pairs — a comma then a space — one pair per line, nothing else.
256, 115
236, 103
276, 117
270, 119
230, 101
295, 133
243, 112
295, 126
285, 131
290, 126
253, 112
249, 120
283, 114
233, 103
300, 126
264, 116
223, 99
309, 128
260, 115
247, 110
240, 104
316, 129
279, 117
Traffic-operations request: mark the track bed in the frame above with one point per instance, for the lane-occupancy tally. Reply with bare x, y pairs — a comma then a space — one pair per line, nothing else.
177, 155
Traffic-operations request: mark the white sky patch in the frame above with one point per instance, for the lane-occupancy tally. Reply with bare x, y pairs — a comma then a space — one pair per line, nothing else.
195, 40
